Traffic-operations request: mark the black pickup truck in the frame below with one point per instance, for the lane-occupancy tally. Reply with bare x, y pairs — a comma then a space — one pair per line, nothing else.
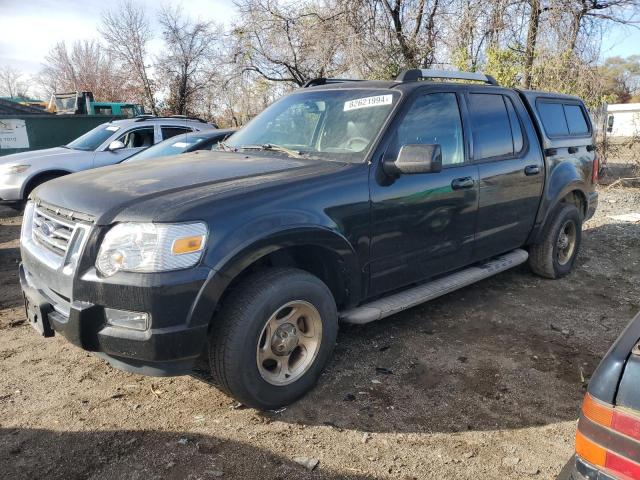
345, 200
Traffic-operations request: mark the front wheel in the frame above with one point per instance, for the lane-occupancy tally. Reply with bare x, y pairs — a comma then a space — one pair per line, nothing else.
555, 255
273, 337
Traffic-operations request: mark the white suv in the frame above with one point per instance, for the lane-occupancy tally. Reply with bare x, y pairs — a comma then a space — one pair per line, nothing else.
106, 144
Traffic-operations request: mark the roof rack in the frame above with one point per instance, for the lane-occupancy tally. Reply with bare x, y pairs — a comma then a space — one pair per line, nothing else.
314, 82
415, 74
142, 118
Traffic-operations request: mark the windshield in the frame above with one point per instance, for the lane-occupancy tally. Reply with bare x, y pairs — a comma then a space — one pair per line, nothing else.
171, 146
93, 138
334, 124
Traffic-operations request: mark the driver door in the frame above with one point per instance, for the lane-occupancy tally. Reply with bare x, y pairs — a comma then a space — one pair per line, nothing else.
423, 224
135, 140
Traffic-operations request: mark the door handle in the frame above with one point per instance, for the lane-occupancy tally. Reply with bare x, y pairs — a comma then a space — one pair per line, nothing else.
462, 183
531, 170
573, 149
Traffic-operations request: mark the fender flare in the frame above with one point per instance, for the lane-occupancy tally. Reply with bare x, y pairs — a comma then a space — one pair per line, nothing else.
228, 267
574, 186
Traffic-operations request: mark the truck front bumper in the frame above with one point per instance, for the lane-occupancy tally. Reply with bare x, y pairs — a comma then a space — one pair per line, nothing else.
169, 346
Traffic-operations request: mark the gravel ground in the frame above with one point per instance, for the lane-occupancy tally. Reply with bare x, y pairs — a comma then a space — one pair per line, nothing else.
483, 383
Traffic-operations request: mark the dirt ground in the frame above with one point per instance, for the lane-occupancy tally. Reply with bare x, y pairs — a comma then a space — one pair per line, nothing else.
482, 383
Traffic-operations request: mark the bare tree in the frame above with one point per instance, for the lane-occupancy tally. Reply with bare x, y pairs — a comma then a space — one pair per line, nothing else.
413, 21
13, 83
86, 66
532, 39
127, 32
392, 35
584, 15
188, 61
286, 42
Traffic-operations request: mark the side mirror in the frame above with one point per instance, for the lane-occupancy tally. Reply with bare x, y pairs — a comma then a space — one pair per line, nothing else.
416, 159
116, 145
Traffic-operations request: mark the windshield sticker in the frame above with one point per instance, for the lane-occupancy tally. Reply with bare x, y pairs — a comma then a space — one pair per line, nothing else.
113, 129
368, 102
180, 144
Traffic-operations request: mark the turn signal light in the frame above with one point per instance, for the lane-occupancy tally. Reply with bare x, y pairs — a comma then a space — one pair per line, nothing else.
187, 245
597, 412
590, 451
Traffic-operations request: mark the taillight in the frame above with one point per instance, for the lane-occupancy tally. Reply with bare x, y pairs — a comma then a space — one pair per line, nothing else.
608, 437
595, 168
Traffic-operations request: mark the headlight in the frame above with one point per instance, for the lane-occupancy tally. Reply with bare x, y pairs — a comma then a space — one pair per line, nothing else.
11, 169
151, 247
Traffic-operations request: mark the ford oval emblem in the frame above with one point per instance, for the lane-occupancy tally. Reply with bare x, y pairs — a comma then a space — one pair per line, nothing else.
47, 228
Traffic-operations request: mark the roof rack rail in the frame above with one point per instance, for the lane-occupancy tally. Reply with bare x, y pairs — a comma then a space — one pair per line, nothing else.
314, 82
142, 118
417, 74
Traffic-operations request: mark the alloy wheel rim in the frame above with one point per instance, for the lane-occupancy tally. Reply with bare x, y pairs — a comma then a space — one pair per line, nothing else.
289, 342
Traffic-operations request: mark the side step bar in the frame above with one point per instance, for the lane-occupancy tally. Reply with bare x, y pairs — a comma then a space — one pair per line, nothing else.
397, 302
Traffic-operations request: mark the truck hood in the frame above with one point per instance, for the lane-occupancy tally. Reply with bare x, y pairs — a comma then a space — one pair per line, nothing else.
105, 192
35, 157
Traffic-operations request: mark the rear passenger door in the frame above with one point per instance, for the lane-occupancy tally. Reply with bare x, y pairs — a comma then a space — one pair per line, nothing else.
511, 170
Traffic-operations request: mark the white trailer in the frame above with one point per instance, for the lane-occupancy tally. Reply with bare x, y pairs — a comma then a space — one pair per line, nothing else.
623, 120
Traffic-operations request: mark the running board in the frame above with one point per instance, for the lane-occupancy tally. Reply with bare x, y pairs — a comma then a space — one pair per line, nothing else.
395, 303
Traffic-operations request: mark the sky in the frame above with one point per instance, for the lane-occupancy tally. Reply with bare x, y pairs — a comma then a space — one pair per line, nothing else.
29, 28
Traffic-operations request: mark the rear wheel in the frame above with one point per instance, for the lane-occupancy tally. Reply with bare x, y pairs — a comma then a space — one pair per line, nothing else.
555, 255
272, 338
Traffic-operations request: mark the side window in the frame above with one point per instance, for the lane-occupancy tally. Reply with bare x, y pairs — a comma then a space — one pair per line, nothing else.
553, 119
140, 137
168, 132
491, 126
516, 128
127, 112
575, 119
433, 119
563, 119
102, 110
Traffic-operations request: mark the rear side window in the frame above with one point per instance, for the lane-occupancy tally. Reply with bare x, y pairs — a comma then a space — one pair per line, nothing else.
553, 119
575, 119
168, 132
491, 126
563, 119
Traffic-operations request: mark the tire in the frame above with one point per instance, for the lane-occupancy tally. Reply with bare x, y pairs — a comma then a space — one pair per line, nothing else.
549, 258
260, 317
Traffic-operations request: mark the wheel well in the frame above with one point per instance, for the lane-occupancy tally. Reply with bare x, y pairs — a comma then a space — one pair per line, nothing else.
36, 179
319, 261
577, 198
